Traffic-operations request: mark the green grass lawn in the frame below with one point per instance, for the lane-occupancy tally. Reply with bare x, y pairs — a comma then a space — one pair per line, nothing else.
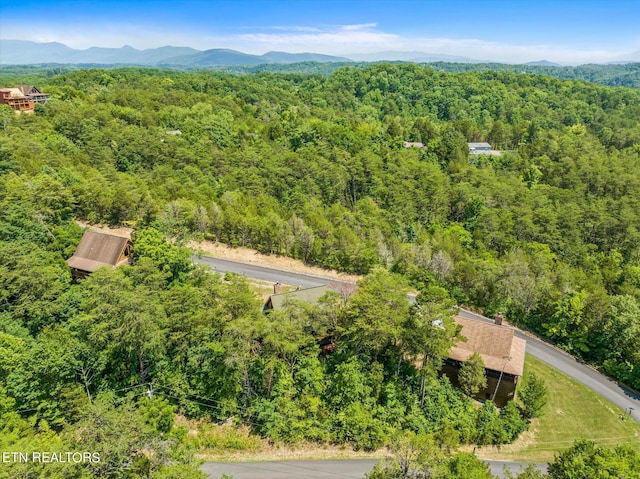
572, 412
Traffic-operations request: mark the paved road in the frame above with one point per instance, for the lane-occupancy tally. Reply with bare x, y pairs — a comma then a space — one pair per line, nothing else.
595, 381
265, 274
338, 469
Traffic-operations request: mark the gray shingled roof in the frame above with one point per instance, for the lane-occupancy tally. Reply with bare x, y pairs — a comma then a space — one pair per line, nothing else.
309, 295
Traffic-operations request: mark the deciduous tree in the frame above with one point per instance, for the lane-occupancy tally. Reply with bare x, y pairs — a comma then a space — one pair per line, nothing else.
471, 375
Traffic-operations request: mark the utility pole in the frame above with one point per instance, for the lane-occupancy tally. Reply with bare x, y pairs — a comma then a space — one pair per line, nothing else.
507, 358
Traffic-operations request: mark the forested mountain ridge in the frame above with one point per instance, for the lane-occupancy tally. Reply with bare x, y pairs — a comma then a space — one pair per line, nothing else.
312, 167
624, 74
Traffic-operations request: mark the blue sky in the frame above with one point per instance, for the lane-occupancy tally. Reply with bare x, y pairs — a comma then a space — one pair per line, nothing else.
565, 31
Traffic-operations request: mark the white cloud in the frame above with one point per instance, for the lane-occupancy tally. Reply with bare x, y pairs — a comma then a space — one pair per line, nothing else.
108, 36
361, 26
367, 38
293, 28
512, 53
332, 39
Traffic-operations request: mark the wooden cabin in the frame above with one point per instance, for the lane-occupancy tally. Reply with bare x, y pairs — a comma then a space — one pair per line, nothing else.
22, 97
501, 351
97, 249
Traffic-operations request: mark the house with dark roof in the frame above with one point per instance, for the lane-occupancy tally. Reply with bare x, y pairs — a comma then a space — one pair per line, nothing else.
279, 300
97, 249
33, 93
501, 351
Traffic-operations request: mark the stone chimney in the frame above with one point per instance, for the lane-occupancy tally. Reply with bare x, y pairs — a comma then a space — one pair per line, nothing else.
499, 319
277, 287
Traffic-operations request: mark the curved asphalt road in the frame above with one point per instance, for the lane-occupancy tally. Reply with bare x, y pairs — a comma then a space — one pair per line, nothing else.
619, 395
265, 274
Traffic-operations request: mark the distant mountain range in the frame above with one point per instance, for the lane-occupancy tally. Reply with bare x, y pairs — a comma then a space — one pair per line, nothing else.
416, 57
543, 63
20, 52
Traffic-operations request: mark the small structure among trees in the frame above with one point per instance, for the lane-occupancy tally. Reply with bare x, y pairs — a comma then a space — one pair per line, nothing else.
482, 148
501, 352
413, 144
308, 295
22, 97
98, 249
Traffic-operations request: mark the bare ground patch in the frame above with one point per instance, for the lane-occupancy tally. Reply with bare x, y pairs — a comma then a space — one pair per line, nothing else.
250, 256
525, 441
120, 231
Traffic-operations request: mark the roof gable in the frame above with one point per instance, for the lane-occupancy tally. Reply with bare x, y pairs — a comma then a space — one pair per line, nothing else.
99, 249
27, 89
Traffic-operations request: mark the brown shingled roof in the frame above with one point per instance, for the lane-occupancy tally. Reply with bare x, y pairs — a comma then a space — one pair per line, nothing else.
497, 346
99, 249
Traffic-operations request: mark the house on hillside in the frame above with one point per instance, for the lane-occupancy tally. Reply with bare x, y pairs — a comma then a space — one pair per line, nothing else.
501, 351
98, 249
22, 97
278, 300
482, 148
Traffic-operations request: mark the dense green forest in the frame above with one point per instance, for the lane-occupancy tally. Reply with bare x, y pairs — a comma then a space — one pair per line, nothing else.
624, 74
312, 167
627, 74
